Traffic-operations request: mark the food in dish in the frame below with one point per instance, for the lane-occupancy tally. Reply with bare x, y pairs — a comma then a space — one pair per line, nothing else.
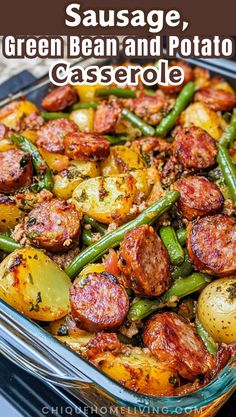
117, 220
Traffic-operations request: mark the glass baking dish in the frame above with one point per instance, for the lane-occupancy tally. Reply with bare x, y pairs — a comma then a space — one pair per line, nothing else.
32, 348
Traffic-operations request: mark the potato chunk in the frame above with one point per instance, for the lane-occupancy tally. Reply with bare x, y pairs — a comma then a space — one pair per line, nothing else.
122, 159
141, 373
34, 285
12, 114
10, 214
106, 199
201, 116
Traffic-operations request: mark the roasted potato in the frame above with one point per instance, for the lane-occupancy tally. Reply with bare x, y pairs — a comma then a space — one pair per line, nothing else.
147, 182
201, 116
64, 185
13, 113
55, 161
84, 119
66, 182
121, 159
217, 309
141, 373
68, 327
34, 285
6, 145
10, 214
106, 199
32, 135
87, 91
142, 182
78, 341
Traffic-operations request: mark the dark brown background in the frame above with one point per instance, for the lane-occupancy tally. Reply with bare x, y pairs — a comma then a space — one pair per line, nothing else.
46, 17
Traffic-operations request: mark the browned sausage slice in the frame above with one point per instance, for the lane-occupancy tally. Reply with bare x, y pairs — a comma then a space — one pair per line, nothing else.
218, 100
86, 146
33, 121
198, 197
172, 338
53, 225
51, 136
194, 148
212, 245
144, 262
16, 170
106, 116
103, 342
98, 302
60, 98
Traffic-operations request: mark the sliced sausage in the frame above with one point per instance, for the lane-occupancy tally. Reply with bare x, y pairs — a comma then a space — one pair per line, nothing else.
188, 76
33, 121
51, 135
107, 116
211, 245
53, 225
98, 302
103, 342
86, 146
194, 148
60, 98
16, 170
198, 197
172, 338
144, 262
216, 99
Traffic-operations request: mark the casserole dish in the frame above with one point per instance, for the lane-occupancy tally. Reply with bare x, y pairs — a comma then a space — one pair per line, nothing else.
32, 348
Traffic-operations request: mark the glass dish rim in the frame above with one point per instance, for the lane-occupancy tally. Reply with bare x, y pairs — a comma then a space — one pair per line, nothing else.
224, 382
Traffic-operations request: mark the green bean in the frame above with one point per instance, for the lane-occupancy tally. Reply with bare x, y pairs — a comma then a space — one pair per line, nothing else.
54, 115
185, 286
116, 140
86, 105
182, 101
172, 245
7, 244
118, 92
142, 308
98, 227
87, 237
227, 116
228, 170
40, 166
183, 270
206, 338
113, 239
181, 235
229, 134
136, 121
